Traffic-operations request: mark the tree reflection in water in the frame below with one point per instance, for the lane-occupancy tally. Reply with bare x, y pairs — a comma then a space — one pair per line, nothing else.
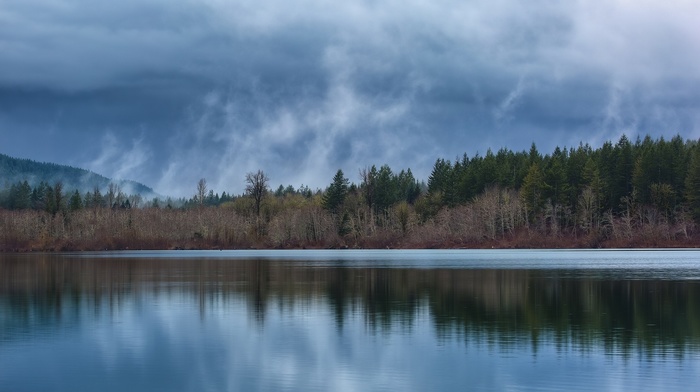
506, 307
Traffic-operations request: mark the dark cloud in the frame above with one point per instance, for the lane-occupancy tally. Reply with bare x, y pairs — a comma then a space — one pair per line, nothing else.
168, 91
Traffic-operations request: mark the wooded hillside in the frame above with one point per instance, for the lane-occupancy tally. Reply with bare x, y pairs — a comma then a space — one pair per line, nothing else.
15, 170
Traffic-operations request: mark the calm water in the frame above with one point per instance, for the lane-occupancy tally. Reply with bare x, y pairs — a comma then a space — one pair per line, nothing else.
350, 321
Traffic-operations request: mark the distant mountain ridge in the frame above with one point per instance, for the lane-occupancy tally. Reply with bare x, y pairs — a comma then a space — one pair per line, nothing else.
13, 170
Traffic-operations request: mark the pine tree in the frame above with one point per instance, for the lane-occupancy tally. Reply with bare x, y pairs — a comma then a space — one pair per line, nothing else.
555, 177
644, 173
533, 190
334, 197
442, 181
593, 181
76, 202
692, 184
369, 185
386, 190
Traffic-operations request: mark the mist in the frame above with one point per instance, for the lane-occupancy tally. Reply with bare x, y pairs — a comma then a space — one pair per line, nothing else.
168, 92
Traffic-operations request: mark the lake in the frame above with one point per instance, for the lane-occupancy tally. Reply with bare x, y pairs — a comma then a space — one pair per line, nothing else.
350, 320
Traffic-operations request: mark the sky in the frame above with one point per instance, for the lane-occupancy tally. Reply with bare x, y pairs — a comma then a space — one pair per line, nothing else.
166, 92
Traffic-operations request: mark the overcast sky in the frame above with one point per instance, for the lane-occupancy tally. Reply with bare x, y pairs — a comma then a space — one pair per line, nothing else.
169, 91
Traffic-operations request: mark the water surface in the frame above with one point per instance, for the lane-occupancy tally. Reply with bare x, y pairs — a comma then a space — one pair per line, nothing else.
350, 320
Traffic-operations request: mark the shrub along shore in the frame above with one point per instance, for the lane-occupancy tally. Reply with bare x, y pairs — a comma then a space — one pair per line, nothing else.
305, 227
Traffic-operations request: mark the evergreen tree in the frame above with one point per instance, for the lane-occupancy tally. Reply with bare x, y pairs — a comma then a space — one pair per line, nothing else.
97, 199
369, 185
442, 181
40, 197
534, 156
76, 202
692, 184
533, 190
555, 177
334, 197
386, 190
663, 198
50, 206
58, 195
592, 180
20, 196
578, 158
487, 173
645, 172
623, 169
409, 188
678, 151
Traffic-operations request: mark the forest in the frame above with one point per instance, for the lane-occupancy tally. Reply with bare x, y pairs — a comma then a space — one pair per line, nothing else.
641, 193
19, 171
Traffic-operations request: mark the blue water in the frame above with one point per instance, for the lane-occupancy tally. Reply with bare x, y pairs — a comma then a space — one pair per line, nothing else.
350, 320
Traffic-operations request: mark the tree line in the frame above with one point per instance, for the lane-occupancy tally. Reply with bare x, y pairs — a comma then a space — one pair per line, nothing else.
628, 193
54, 198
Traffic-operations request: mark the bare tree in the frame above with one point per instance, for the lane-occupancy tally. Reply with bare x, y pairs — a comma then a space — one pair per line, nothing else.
256, 187
58, 194
136, 201
201, 191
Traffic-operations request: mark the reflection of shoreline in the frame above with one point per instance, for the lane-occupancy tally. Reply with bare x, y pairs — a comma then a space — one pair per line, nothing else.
46, 290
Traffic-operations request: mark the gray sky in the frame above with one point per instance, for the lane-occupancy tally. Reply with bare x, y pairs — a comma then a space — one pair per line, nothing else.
169, 91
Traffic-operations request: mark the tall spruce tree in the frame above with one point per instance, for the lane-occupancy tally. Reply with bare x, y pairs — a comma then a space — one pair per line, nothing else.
692, 184
334, 197
533, 191
76, 202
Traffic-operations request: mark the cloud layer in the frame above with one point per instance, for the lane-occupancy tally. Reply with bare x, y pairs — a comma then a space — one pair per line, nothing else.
167, 92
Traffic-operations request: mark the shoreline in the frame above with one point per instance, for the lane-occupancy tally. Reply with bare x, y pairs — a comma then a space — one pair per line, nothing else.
612, 245
310, 228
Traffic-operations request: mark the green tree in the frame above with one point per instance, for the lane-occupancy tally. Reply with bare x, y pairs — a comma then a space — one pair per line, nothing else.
556, 178
442, 180
59, 197
408, 187
386, 190
39, 196
534, 156
574, 171
20, 196
50, 205
334, 197
487, 174
645, 172
692, 184
663, 198
97, 199
533, 190
622, 171
369, 185
593, 182
76, 202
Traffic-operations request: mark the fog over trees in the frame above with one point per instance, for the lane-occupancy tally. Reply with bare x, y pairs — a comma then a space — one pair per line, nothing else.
628, 193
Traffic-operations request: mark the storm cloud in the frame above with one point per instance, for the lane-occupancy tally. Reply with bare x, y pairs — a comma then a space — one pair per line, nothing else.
169, 91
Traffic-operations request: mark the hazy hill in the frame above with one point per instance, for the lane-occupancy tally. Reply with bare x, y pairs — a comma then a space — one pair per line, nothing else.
13, 170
